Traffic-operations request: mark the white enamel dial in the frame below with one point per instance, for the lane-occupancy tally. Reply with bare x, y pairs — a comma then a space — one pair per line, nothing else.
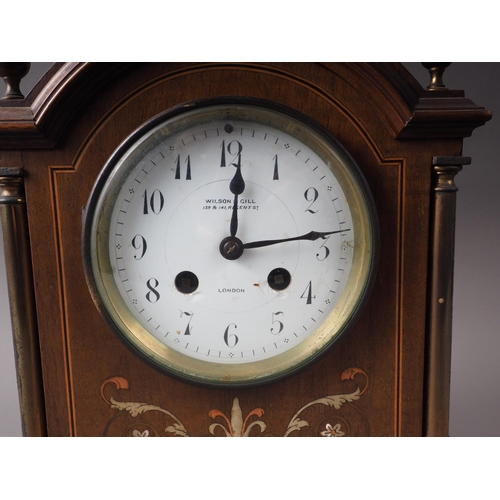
230, 243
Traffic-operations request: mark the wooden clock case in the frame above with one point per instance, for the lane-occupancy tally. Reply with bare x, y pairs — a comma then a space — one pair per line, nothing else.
388, 376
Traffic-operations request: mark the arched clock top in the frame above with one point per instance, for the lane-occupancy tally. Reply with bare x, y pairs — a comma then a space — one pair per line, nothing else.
40, 119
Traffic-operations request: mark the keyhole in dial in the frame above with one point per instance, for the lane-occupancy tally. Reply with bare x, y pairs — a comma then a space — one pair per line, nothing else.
279, 279
186, 282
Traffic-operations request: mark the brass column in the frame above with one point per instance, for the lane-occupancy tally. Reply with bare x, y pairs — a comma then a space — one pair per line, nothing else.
440, 293
22, 302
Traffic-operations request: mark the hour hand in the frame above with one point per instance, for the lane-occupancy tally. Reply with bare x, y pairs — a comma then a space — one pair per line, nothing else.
311, 236
237, 186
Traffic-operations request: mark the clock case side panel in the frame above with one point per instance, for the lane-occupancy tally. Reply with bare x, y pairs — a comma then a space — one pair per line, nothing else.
14, 226
447, 115
440, 299
323, 82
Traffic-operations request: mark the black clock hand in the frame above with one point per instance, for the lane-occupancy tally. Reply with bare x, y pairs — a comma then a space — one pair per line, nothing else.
312, 236
232, 248
237, 186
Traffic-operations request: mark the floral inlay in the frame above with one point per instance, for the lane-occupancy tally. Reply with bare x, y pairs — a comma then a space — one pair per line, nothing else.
332, 431
237, 427
234, 425
140, 434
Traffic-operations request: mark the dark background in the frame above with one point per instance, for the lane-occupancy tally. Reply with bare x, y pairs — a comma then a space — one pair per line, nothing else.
475, 377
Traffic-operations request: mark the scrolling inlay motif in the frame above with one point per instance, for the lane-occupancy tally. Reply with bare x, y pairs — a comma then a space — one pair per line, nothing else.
234, 425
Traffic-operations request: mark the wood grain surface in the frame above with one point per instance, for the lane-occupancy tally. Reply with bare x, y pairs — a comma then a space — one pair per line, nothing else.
370, 383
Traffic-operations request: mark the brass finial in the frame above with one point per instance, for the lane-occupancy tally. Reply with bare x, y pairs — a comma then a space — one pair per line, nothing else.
12, 74
436, 71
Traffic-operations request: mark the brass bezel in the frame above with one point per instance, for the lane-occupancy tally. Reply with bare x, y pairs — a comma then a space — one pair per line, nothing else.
99, 270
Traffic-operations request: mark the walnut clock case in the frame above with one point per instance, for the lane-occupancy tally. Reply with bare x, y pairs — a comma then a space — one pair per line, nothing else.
231, 249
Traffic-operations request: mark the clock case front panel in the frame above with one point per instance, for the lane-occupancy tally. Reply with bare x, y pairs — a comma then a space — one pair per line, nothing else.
372, 382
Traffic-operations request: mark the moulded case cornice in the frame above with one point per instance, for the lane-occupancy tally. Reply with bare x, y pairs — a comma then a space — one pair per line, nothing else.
39, 120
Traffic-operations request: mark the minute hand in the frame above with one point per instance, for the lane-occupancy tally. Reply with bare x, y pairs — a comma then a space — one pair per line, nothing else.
312, 236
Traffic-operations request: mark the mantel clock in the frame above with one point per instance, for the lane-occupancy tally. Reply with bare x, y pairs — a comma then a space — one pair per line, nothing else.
231, 249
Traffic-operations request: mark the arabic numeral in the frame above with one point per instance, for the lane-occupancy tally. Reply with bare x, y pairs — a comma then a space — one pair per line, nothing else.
311, 194
139, 243
308, 294
154, 202
323, 246
234, 148
223, 154
276, 175
153, 295
190, 315
178, 167
230, 339
276, 326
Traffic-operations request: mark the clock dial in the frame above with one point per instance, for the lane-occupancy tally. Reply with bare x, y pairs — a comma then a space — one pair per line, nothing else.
230, 244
